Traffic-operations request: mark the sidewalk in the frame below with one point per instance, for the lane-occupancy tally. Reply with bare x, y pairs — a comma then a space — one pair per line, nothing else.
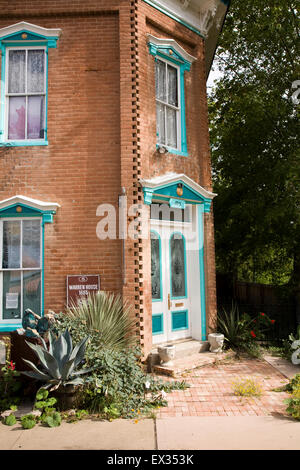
195, 433
206, 416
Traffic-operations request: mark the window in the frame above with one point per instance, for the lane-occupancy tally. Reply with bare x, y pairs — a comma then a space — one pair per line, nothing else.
25, 93
20, 267
171, 62
167, 104
24, 68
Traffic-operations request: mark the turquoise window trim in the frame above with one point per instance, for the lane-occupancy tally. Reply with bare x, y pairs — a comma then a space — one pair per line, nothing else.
172, 151
46, 217
160, 266
174, 17
161, 330
163, 52
185, 312
24, 143
15, 40
202, 272
185, 270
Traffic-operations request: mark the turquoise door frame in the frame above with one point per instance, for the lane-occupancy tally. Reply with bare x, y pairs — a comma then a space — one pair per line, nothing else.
164, 189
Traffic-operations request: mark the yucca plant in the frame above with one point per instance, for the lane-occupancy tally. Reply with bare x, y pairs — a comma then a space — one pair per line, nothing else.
235, 328
59, 363
107, 315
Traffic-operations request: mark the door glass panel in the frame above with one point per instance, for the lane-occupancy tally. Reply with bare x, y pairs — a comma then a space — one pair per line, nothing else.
155, 267
11, 295
32, 290
31, 244
11, 244
178, 280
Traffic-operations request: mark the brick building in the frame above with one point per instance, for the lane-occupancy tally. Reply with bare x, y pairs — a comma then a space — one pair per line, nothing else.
103, 130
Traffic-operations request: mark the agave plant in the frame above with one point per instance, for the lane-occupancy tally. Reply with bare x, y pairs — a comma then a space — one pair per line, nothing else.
107, 315
58, 365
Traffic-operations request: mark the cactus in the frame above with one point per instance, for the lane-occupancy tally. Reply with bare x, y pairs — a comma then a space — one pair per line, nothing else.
58, 365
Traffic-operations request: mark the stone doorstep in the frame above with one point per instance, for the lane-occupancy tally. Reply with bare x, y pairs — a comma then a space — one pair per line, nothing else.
183, 348
189, 363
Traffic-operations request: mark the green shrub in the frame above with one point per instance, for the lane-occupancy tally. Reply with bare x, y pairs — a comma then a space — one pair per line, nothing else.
247, 388
107, 315
241, 332
9, 386
293, 402
10, 420
118, 383
28, 421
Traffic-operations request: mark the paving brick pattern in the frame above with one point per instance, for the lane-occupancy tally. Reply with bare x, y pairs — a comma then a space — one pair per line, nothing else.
211, 391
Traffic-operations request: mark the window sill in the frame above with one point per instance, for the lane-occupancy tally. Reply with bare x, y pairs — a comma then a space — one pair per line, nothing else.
23, 143
172, 151
5, 328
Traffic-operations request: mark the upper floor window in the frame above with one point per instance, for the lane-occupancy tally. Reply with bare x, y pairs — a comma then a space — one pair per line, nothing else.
167, 104
25, 93
24, 68
171, 62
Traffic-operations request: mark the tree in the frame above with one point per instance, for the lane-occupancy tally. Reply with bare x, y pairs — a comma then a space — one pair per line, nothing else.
254, 135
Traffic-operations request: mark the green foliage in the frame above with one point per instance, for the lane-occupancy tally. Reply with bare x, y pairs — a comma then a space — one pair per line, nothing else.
58, 365
28, 421
51, 419
293, 402
241, 332
10, 420
107, 315
254, 136
43, 402
118, 383
9, 386
50, 416
247, 388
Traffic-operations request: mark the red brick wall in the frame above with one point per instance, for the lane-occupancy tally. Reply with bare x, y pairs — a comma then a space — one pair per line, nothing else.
101, 132
80, 168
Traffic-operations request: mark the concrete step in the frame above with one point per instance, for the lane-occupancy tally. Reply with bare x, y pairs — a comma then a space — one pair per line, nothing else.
193, 361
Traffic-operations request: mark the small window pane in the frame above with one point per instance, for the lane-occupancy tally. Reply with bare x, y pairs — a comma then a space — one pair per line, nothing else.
11, 295
31, 244
35, 71
32, 291
16, 72
35, 117
11, 244
160, 80
16, 117
172, 127
172, 86
160, 123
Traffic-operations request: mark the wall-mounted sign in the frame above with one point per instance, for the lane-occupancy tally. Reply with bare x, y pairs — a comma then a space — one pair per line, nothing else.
80, 286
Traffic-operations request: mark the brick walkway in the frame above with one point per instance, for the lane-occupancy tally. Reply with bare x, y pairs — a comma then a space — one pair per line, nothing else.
211, 391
